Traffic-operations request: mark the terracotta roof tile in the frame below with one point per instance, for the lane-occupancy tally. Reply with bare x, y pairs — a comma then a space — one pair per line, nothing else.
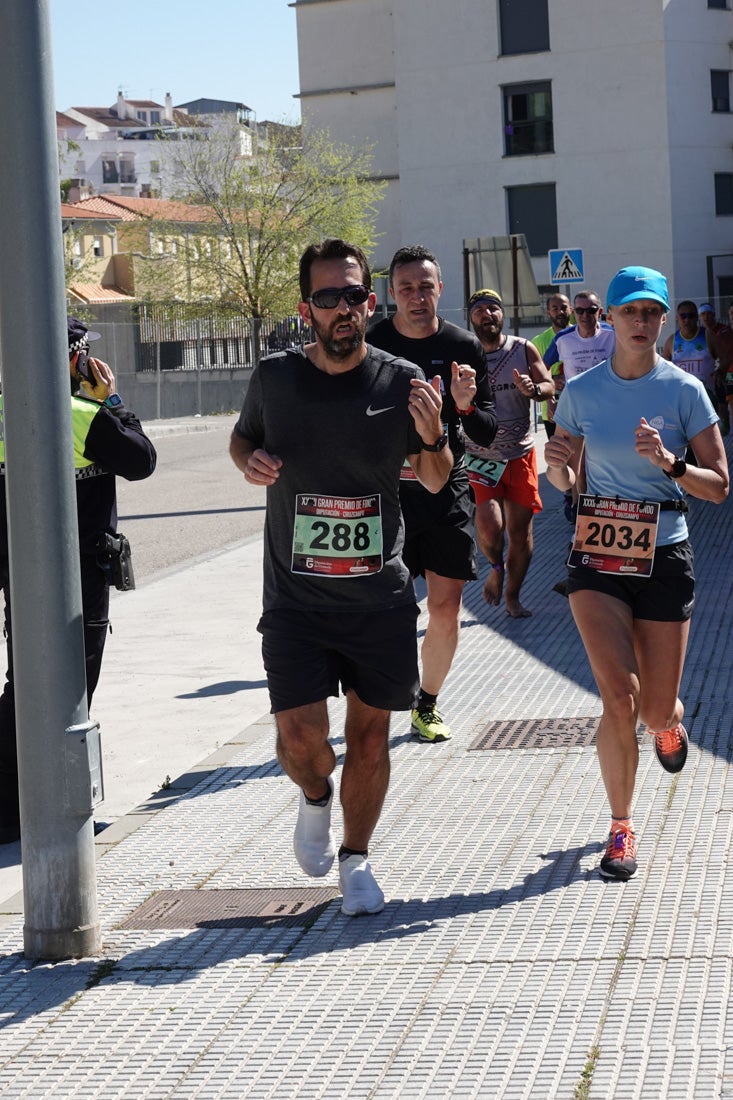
95, 292
99, 205
75, 210
129, 206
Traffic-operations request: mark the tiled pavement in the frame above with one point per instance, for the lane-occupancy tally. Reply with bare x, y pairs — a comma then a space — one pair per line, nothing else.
502, 966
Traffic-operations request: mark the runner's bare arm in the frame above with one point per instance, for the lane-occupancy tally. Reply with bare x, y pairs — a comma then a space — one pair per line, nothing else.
432, 470
709, 480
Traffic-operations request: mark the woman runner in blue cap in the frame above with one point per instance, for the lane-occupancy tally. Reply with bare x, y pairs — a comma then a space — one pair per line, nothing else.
630, 575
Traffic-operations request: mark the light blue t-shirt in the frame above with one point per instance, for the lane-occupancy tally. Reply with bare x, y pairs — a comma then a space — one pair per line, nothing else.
606, 411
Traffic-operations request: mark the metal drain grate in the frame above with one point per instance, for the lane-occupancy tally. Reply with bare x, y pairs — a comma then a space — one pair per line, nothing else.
537, 733
296, 908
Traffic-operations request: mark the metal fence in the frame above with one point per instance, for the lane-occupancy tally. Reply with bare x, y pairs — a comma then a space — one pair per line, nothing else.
171, 338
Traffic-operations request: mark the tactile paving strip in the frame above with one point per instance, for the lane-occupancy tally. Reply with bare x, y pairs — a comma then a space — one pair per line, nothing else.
231, 908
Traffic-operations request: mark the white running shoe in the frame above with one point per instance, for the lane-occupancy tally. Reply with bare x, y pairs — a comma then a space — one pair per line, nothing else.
313, 842
361, 894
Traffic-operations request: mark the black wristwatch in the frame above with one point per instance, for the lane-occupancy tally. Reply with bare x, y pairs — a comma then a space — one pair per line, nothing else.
442, 442
539, 396
679, 469
114, 401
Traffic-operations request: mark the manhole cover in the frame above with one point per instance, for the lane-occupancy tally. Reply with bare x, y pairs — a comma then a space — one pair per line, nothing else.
537, 733
232, 908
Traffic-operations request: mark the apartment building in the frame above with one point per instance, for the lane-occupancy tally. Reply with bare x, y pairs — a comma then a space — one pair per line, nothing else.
116, 150
584, 124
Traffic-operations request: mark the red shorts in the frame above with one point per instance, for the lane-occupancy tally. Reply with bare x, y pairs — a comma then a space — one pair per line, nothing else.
518, 483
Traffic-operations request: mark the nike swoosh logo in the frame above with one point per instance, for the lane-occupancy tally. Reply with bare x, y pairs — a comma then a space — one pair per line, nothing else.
375, 412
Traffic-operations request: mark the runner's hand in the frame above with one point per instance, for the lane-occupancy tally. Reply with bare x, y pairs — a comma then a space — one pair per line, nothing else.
463, 385
524, 383
558, 451
648, 444
426, 404
104, 380
262, 468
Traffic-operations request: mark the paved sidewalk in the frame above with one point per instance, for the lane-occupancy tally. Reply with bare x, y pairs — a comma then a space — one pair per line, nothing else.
502, 966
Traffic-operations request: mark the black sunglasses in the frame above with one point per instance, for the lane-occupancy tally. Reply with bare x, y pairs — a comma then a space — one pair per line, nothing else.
330, 296
688, 316
585, 309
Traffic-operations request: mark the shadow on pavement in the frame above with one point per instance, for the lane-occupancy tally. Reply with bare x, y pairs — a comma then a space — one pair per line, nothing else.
224, 687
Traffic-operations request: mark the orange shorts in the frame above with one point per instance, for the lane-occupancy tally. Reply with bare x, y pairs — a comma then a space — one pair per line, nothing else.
519, 483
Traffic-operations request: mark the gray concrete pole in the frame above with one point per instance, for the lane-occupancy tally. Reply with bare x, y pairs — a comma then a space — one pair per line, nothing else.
55, 738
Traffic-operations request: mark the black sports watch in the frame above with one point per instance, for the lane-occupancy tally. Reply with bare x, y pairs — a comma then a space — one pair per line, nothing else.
442, 442
679, 469
539, 396
114, 401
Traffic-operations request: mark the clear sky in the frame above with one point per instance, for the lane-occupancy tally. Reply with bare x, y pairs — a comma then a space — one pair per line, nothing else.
241, 50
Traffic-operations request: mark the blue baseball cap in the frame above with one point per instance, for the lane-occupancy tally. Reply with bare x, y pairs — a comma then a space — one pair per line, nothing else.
631, 283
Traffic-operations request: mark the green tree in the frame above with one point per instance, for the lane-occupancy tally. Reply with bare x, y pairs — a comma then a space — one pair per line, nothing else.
263, 211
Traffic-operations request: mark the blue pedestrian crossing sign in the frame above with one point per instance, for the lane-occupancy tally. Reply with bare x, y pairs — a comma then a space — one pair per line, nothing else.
566, 265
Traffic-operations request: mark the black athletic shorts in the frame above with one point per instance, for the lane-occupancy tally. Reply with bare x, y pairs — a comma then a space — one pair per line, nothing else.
307, 654
440, 531
667, 596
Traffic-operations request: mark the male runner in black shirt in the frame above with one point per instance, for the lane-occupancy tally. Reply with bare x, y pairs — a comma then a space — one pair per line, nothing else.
439, 528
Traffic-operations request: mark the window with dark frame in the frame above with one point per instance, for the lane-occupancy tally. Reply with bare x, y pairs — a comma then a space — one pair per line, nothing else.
532, 210
110, 173
528, 119
720, 90
524, 26
724, 193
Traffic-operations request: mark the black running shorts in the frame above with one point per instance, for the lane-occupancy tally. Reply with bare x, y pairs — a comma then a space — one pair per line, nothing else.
439, 531
307, 654
667, 596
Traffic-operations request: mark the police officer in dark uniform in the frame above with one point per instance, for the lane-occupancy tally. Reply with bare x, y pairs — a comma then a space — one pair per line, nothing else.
108, 441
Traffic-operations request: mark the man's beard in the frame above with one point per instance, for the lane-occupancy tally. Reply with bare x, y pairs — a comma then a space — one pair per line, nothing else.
488, 330
344, 346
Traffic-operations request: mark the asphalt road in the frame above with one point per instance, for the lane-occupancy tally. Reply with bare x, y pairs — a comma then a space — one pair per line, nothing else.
196, 502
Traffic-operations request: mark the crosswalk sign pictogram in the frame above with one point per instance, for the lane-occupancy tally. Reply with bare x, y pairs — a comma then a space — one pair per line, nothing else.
566, 265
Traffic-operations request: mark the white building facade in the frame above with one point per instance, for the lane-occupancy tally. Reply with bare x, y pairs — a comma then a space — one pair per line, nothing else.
117, 150
603, 125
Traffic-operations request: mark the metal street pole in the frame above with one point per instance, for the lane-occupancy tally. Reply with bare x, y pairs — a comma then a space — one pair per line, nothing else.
57, 745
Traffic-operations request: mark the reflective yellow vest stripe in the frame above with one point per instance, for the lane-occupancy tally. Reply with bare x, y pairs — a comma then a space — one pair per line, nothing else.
82, 415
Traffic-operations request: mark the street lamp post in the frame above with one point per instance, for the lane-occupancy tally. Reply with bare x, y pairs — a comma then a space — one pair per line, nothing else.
58, 748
